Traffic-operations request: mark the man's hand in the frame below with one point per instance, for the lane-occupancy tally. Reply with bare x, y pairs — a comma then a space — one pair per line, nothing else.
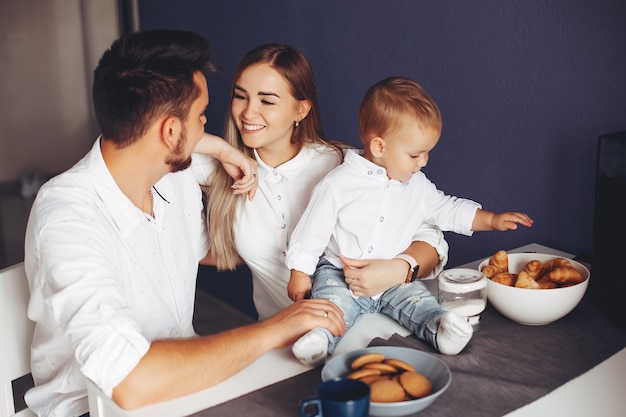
292, 322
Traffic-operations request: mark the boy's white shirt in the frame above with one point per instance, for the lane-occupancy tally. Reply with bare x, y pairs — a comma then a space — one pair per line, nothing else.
356, 211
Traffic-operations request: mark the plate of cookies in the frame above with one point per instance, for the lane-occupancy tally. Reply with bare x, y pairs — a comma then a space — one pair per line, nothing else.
402, 380
534, 288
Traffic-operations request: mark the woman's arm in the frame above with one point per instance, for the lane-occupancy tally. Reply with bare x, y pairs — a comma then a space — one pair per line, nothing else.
239, 166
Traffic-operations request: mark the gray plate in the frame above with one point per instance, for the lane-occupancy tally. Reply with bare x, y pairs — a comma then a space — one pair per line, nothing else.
428, 365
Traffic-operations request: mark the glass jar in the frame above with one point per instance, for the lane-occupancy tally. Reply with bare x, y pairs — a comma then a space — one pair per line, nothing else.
463, 291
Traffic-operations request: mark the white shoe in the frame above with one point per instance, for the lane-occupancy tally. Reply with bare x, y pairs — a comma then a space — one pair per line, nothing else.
312, 348
454, 334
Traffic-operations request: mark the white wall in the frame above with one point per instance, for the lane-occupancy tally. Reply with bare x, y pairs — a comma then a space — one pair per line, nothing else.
48, 49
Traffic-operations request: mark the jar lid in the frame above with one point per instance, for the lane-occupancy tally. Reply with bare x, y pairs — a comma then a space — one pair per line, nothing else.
461, 280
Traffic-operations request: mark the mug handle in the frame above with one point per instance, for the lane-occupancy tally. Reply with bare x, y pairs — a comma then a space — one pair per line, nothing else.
318, 408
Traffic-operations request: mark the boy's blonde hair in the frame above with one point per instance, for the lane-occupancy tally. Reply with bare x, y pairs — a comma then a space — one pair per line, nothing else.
389, 101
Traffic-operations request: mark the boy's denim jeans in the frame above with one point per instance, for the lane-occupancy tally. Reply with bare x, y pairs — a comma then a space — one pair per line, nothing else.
411, 305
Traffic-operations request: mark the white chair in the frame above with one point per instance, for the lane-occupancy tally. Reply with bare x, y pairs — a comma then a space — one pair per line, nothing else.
16, 331
100, 405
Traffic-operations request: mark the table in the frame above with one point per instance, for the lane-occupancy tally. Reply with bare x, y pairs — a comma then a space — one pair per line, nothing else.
603, 383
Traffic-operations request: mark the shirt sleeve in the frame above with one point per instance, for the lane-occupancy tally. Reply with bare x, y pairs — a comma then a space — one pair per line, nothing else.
202, 167
448, 212
82, 292
434, 237
313, 231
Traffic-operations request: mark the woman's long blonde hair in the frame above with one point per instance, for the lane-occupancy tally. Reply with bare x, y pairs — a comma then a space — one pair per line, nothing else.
294, 67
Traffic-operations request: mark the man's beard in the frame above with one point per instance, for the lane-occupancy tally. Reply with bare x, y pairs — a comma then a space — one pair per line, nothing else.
176, 160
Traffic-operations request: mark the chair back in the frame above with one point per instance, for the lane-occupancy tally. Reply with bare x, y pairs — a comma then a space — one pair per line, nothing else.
100, 405
17, 335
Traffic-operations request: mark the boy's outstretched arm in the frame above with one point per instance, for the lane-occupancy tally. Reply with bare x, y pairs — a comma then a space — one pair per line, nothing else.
485, 220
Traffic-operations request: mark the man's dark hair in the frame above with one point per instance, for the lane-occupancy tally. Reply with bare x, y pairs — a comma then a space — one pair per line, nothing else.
145, 75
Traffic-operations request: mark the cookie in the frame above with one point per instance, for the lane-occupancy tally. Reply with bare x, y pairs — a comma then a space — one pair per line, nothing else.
387, 391
399, 365
367, 358
384, 368
370, 379
362, 373
415, 384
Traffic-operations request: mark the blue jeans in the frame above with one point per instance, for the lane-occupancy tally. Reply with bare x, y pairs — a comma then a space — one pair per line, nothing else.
411, 305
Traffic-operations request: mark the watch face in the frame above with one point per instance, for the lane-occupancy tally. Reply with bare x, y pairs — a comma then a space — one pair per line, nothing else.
415, 271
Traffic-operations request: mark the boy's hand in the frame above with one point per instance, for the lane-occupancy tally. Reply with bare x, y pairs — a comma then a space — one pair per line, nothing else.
299, 286
509, 220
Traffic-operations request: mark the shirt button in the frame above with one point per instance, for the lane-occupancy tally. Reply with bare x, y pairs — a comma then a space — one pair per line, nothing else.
278, 197
381, 219
369, 172
379, 172
282, 226
274, 172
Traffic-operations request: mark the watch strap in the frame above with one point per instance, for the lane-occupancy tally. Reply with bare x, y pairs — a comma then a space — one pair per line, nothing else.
413, 266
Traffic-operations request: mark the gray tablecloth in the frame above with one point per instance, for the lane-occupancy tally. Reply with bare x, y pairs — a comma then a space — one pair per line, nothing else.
505, 366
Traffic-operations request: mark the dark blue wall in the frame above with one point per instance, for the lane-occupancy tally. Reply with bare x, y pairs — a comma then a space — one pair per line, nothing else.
525, 88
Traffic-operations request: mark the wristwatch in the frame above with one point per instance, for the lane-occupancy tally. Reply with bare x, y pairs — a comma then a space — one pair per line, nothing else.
413, 267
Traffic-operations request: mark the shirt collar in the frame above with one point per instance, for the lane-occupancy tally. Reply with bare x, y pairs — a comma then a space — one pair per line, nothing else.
289, 169
354, 158
366, 167
123, 212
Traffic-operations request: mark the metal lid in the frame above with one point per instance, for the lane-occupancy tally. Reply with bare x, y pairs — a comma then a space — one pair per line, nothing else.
460, 280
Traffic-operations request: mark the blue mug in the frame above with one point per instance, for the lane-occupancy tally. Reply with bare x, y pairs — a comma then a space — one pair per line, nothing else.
339, 397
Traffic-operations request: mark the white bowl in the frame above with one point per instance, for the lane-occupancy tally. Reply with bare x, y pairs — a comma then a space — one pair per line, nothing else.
437, 372
534, 307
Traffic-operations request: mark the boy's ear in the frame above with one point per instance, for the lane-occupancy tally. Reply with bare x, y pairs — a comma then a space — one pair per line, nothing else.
377, 146
170, 131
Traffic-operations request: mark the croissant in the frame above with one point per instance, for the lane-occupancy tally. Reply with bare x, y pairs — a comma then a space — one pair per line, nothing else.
500, 260
524, 280
489, 271
545, 284
534, 269
557, 262
565, 275
504, 278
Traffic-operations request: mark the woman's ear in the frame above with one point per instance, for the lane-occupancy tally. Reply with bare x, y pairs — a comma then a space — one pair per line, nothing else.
170, 131
304, 107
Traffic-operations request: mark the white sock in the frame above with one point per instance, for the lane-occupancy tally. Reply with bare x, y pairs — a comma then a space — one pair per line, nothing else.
312, 348
454, 334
